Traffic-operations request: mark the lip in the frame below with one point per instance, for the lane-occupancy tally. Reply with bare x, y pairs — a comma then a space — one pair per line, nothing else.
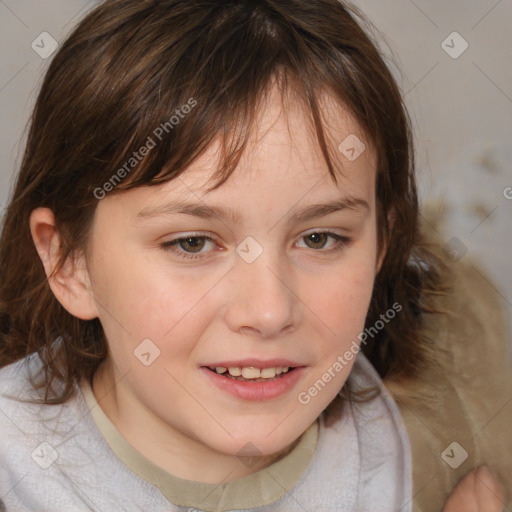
256, 363
256, 391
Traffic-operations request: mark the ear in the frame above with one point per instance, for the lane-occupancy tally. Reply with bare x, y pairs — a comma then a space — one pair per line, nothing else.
384, 250
71, 283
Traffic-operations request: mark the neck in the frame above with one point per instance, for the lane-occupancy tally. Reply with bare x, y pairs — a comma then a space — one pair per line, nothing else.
167, 447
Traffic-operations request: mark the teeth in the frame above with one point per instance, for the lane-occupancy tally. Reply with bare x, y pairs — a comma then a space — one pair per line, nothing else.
250, 372
268, 373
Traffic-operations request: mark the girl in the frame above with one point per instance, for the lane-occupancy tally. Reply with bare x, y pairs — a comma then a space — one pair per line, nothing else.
210, 261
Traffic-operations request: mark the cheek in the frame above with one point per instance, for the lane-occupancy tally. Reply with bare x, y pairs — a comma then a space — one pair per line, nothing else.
346, 304
340, 301
140, 300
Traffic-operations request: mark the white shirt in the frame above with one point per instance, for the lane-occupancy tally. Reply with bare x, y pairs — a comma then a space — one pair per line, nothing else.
55, 458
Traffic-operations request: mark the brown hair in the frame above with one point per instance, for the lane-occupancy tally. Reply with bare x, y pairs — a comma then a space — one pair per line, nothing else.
126, 70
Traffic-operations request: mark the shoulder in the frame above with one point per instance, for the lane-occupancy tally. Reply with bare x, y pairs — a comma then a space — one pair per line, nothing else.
14, 381
368, 434
16, 391
24, 418
31, 432
45, 449
53, 457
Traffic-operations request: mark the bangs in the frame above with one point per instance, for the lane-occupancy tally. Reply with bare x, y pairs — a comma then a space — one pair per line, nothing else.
230, 131
174, 95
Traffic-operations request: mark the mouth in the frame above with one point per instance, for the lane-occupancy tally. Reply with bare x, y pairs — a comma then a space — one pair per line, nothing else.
251, 373
255, 379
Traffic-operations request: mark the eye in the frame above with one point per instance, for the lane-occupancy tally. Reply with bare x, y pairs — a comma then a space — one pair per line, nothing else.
318, 240
189, 247
192, 245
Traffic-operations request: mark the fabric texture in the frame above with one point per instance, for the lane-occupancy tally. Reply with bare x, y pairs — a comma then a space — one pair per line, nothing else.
459, 413
54, 458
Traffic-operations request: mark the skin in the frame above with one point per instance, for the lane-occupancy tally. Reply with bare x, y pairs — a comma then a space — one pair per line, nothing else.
478, 491
296, 300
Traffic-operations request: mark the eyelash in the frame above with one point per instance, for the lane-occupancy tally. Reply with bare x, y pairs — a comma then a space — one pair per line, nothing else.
342, 243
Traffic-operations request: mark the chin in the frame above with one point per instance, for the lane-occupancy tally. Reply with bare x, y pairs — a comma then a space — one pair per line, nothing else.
255, 445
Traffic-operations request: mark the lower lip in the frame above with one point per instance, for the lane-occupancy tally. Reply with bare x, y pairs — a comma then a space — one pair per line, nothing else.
256, 391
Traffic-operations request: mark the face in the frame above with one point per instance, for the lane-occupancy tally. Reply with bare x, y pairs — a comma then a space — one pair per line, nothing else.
270, 280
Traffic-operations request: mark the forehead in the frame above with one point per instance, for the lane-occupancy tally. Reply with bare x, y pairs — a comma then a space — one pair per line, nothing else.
282, 169
284, 140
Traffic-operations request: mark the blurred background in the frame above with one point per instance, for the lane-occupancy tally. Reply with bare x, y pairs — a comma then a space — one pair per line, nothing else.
453, 61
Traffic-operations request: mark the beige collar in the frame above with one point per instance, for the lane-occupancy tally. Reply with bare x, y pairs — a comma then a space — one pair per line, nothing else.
255, 490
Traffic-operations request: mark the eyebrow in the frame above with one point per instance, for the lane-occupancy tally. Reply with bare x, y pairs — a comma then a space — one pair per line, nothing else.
224, 214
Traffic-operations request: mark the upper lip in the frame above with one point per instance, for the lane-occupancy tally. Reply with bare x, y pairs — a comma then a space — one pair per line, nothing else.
256, 363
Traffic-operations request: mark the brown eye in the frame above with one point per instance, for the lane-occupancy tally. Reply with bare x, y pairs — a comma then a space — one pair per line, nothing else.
192, 244
316, 240
190, 247
319, 240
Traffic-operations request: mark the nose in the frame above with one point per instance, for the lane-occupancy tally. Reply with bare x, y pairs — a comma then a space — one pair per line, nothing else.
261, 297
